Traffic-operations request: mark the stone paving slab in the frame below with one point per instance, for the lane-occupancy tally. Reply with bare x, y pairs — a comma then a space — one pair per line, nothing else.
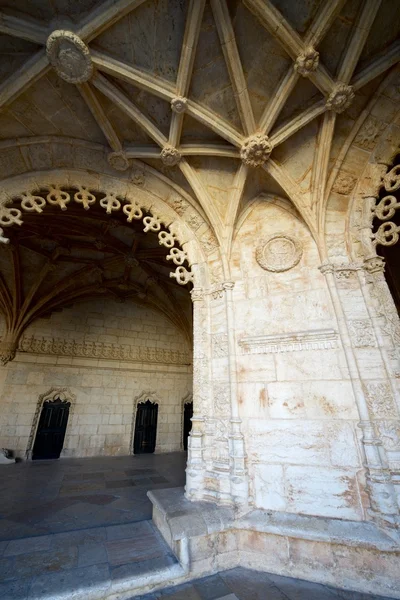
72, 494
245, 584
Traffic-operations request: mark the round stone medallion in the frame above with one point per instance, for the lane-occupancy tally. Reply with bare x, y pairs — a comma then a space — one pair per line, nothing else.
69, 56
279, 253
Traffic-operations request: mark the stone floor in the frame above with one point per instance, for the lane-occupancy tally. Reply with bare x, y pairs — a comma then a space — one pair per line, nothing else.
74, 528
79, 524
243, 584
54, 496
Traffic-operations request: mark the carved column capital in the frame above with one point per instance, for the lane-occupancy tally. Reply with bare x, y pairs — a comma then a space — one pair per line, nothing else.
197, 294
374, 264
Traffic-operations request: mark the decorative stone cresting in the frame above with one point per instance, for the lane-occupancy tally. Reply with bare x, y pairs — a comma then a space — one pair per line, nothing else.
69, 56
279, 253
307, 62
178, 104
340, 98
256, 150
170, 156
118, 161
56, 196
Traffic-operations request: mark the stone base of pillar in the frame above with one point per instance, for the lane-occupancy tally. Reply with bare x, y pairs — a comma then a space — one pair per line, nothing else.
207, 538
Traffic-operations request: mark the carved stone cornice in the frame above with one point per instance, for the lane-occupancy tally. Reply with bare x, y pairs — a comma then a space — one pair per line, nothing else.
319, 339
101, 350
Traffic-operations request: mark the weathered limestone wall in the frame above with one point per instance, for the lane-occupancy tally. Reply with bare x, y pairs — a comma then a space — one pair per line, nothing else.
105, 390
298, 411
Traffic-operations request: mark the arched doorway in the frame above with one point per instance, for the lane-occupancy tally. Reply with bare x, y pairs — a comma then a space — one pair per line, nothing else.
145, 428
187, 422
51, 429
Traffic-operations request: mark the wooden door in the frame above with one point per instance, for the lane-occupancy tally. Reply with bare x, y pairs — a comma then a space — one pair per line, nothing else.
187, 423
145, 428
51, 429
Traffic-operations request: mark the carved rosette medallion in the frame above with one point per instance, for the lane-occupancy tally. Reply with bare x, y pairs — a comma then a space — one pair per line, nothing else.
69, 56
178, 104
340, 98
170, 156
256, 150
307, 62
278, 253
118, 161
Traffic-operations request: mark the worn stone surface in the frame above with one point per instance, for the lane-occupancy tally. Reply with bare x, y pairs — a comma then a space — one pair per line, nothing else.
244, 152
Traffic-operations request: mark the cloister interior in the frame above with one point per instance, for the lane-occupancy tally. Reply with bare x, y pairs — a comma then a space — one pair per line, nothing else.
199, 299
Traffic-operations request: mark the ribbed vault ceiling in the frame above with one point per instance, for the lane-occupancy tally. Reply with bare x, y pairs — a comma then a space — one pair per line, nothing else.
201, 90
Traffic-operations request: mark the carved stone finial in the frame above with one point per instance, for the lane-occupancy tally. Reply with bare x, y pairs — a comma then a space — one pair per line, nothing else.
69, 56
340, 98
170, 156
307, 62
256, 150
178, 104
118, 161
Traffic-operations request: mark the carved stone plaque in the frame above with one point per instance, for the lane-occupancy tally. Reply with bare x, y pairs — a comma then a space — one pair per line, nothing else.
279, 253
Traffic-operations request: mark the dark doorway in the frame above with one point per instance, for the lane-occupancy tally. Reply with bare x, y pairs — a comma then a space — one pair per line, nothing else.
145, 428
187, 423
51, 429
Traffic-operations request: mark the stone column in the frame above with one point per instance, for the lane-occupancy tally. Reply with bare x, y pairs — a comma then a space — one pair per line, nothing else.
238, 470
384, 508
195, 470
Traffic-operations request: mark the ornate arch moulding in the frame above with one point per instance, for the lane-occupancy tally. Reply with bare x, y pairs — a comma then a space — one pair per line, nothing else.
59, 190
54, 393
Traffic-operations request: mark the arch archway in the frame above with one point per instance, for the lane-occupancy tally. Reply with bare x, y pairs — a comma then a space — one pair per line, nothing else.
64, 395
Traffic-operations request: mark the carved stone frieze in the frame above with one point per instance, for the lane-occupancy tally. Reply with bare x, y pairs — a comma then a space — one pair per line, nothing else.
369, 133
220, 344
101, 350
307, 62
344, 183
69, 56
380, 400
193, 220
179, 204
361, 333
389, 432
209, 242
256, 150
279, 253
221, 393
340, 98
319, 339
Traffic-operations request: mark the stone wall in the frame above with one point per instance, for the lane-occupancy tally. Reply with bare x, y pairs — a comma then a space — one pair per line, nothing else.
298, 411
106, 354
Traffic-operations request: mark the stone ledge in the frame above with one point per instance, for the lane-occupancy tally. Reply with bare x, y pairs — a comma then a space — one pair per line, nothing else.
192, 519
207, 538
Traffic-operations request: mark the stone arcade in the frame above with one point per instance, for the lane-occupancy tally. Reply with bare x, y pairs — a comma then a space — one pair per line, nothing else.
199, 204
